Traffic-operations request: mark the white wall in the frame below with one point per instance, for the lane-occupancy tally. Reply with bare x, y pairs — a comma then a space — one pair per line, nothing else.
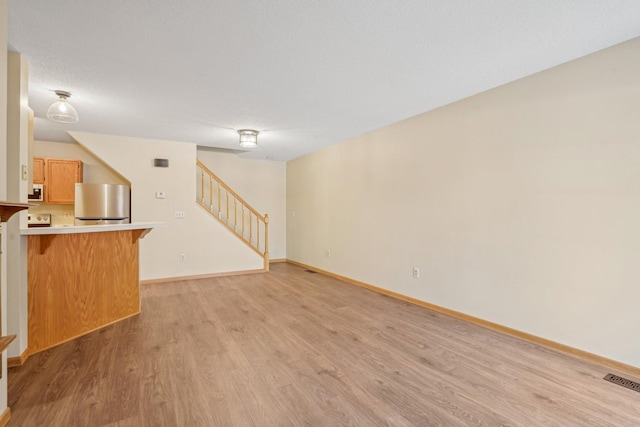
3, 192
209, 247
261, 183
520, 205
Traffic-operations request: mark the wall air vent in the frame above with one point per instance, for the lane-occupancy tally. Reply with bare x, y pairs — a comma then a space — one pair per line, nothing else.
623, 382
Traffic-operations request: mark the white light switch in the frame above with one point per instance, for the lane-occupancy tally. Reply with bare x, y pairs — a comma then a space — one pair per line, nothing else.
159, 194
179, 214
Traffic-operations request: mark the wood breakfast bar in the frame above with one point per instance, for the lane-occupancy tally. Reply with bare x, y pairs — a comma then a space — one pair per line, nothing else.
81, 278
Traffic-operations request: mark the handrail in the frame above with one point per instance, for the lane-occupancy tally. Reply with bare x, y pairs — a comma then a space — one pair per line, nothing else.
218, 206
226, 187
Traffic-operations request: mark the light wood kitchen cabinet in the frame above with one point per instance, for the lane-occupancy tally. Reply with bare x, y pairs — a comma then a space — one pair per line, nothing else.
60, 177
38, 170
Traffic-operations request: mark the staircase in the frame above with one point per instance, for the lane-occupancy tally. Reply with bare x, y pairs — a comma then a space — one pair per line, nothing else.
226, 206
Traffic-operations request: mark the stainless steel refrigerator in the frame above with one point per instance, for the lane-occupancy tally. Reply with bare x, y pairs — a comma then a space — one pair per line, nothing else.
102, 204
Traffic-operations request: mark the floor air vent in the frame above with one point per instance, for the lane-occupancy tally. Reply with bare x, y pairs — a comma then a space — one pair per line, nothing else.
623, 382
310, 271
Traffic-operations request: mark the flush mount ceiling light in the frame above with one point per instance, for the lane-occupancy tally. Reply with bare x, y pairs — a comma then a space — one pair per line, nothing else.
248, 138
61, 111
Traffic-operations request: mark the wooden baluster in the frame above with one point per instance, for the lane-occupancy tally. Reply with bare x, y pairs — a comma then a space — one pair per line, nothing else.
219, 210
235, 214
243, 220
210, 193
226, 219
257, 233
202, 185
250, 228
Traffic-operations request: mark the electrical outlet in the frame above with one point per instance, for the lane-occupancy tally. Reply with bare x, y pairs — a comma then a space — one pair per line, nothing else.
183, 257
179, 214
159, 194
416, 272
25, 172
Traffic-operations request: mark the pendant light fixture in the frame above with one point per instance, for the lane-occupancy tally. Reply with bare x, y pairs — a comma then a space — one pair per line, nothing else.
61, 111
248, 138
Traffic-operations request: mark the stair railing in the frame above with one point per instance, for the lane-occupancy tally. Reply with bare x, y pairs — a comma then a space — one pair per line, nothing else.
232, 211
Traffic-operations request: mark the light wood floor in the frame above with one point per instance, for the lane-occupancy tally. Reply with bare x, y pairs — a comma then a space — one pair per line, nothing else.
294, 348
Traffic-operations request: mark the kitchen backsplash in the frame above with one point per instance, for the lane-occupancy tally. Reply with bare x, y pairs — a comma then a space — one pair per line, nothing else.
60, 214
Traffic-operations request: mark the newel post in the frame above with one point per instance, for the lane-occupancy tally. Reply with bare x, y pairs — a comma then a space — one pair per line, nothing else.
266, 242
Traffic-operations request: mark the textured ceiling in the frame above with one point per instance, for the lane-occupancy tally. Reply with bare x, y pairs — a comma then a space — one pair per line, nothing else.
306, 73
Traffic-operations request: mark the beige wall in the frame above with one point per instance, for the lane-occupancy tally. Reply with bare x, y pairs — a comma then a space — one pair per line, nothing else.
17, 155
261, 183
94, 170
3, 192
520, 205
3, 98
209, 247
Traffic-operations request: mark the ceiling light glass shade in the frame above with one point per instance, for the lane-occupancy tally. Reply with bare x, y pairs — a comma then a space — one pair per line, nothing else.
61, 111
248, 138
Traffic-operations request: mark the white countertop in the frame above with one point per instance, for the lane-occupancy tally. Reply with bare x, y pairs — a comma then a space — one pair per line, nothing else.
71, 229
